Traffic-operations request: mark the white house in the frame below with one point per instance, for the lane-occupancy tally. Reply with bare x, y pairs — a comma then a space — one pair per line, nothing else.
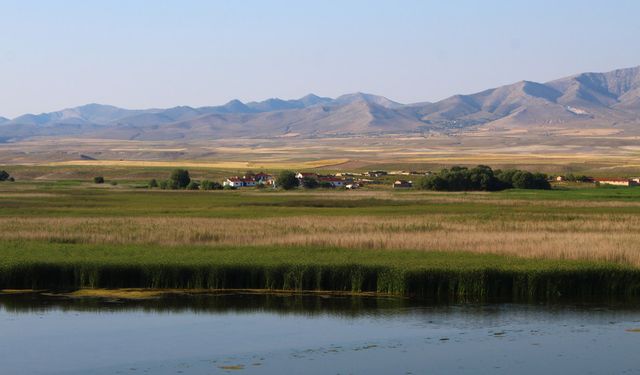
402, 184
235, 182
616, 181
334, 181
301, 175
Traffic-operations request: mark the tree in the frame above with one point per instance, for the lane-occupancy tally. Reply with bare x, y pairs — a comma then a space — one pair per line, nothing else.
482, 178
164, 185
210, 185
540, 181
309, 182
153, 183
525, 180
287, 180
98, 180
522, 179
4, 175
193, 185
432, 182
179, 179
506, 177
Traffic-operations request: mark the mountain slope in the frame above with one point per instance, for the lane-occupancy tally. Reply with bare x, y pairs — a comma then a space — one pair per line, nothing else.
353, 118
602, 100
276, 104
86, 114
605, 97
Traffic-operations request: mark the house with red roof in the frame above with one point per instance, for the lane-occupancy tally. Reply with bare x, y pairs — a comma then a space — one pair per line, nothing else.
334, 181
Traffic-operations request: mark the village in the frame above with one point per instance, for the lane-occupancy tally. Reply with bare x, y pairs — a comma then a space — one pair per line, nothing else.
397, 179
612, 181
346, 180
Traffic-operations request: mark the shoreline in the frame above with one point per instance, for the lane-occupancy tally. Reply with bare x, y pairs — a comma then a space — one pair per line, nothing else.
151, 293
469, 277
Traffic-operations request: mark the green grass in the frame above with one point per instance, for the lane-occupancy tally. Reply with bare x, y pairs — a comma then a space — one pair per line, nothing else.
88, 200
424, 274
48, 264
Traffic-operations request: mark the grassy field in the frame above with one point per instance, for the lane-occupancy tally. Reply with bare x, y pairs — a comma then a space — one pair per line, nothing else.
71, 233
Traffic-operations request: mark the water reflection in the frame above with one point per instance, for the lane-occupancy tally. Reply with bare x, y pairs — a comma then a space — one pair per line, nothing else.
310, 334
281, 303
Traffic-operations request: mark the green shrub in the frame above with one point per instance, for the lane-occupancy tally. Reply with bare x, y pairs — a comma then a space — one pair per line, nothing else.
179, 179
114, 183
210, 185
525, 180
98, 180
4, 175
310, 183
153, 183
287, 180
193, 185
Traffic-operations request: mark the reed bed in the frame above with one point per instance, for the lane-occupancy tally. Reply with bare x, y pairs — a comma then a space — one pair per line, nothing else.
436, 275
517, 245
598, 237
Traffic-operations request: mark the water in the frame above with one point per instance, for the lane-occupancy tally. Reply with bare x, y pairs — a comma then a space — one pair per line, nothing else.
249, 334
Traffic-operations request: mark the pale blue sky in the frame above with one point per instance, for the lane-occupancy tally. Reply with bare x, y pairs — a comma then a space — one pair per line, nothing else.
139, 54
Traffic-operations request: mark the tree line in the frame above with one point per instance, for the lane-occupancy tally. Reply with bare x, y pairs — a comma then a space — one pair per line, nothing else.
180, 179
482, 178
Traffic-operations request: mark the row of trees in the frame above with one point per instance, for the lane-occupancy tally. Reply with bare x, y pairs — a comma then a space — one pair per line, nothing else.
180, 179
287, 180
480, 178
483, 178
577, 178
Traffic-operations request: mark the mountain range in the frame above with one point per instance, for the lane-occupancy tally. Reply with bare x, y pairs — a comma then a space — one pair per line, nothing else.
601, 100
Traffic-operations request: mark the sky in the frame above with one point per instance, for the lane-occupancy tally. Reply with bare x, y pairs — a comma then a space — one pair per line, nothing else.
157, 53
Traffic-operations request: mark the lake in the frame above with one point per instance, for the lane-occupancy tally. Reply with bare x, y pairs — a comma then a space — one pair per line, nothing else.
311, 334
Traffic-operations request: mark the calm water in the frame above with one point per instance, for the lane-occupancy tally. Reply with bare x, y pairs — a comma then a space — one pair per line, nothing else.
246, 334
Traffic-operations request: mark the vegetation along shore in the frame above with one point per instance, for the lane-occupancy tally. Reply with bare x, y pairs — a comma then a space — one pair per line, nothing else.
572, 241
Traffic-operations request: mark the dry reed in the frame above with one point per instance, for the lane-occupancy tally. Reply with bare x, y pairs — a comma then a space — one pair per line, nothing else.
558, 236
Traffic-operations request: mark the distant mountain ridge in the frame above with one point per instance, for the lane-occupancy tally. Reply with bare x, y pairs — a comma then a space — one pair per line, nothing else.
586, 99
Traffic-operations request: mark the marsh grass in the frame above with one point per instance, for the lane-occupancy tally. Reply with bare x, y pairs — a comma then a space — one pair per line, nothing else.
437, 275
597, 237
515, 243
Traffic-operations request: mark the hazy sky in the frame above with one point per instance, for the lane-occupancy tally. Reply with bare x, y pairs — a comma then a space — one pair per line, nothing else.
139, 54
